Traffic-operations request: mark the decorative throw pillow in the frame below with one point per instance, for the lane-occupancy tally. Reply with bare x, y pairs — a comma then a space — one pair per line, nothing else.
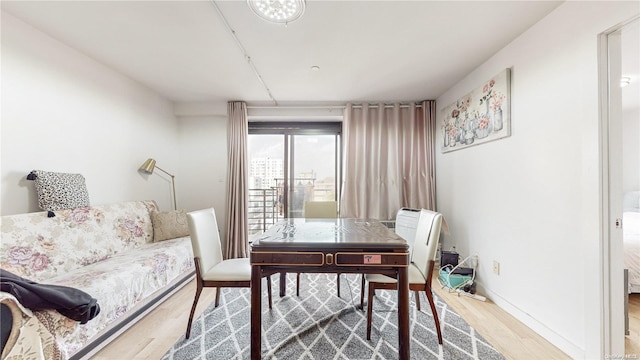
57, 191
169, 225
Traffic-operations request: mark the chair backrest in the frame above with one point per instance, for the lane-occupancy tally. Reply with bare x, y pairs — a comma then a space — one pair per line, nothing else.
407, 224
320, 209
427, 239
205, 238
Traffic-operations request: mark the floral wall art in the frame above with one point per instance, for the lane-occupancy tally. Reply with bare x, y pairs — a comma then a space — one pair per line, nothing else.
480, 116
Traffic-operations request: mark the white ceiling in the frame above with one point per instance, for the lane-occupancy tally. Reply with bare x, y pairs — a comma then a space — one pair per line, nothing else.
366, 50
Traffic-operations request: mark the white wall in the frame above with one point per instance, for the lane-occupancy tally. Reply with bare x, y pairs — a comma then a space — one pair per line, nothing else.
631, 150
203, 154
630, 42
63, 111
531, 201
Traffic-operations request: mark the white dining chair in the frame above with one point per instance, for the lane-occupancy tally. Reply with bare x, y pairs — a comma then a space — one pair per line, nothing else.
420, 270
211, 269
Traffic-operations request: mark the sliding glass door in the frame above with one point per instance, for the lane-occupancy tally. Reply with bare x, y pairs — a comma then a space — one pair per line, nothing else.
290, 163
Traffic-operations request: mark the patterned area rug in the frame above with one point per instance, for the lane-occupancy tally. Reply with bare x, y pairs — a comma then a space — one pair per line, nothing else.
320, 325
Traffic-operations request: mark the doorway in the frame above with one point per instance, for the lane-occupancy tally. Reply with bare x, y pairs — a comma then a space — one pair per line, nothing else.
630, 116
291, 163
620, 57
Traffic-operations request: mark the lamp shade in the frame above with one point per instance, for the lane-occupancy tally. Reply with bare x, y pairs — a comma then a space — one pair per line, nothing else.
148, 166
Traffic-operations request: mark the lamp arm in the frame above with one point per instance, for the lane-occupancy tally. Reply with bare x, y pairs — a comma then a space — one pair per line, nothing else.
164, 171
173, 186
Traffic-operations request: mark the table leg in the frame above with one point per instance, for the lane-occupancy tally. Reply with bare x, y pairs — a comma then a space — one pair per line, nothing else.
404, 340
283, 284
256, 313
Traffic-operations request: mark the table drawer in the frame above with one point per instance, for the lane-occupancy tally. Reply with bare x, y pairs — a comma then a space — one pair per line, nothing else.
371, 259
287, 258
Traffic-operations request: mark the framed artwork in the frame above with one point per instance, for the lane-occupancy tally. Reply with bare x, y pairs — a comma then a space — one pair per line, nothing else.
480, 116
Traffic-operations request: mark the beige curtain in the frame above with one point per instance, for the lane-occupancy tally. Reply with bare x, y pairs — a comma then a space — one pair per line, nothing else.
237, 244
389, 159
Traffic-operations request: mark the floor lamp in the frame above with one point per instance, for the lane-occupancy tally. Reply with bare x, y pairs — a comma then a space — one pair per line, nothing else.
148, 168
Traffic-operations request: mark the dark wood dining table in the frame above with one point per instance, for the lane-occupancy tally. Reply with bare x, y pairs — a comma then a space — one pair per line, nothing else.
329, 246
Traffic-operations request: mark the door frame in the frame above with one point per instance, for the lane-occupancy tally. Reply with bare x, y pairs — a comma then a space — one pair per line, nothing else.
290, 130
611, 246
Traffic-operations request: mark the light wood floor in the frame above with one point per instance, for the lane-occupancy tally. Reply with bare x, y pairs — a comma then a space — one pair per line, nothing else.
632, 341
507, 334
152, 336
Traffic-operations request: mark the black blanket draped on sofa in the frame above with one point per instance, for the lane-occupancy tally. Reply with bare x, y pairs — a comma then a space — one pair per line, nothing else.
70, 302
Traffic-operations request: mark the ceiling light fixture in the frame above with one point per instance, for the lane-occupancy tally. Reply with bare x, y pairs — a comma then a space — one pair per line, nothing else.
277, 11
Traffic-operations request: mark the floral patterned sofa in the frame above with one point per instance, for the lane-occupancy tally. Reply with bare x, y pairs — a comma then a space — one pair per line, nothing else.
106, 251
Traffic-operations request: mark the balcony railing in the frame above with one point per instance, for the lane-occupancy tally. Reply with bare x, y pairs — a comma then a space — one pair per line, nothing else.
263, 210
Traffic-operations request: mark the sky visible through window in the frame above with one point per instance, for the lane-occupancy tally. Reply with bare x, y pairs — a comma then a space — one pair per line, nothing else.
312, 152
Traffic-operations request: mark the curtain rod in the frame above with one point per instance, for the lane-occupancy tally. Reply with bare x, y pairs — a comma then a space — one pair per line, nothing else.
328, 107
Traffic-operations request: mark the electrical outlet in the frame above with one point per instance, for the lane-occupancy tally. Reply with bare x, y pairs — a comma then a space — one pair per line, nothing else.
474, 261
496, 267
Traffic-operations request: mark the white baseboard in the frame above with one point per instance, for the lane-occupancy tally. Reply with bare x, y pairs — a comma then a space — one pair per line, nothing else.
541, 329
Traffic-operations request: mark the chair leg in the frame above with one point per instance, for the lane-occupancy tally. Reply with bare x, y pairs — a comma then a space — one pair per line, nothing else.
417, 293
372, 289
362, 293
427, 291
298, 284
269, 291
193, 310
338, 283
217, 296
